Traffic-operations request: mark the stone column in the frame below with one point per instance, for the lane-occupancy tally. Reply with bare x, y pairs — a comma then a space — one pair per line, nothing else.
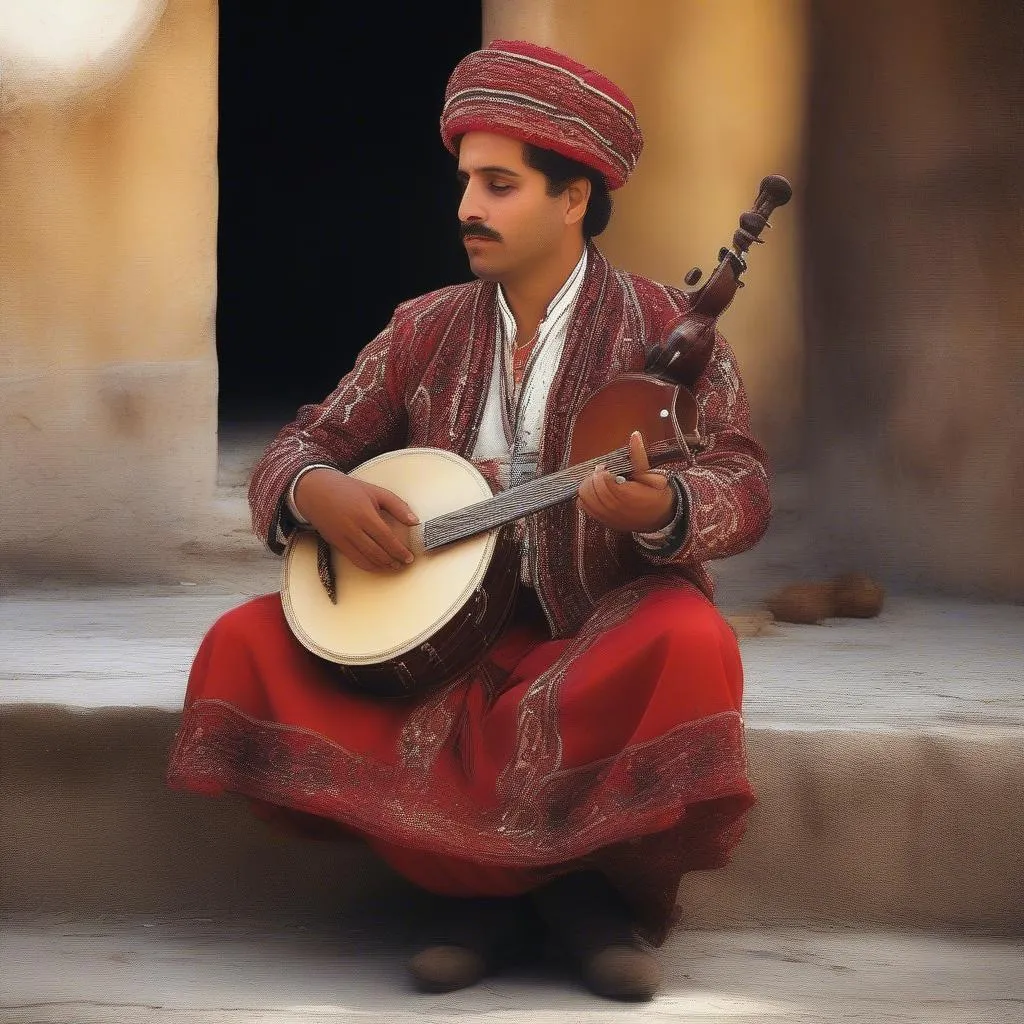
108, 193
719, 96
915, 280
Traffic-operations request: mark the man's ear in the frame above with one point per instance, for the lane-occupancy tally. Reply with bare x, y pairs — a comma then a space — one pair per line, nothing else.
578, 194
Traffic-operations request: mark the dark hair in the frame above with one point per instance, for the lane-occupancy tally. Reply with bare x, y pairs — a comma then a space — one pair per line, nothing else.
561, 172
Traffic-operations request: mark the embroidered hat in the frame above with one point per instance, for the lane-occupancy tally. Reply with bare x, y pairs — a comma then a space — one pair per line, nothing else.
543, 97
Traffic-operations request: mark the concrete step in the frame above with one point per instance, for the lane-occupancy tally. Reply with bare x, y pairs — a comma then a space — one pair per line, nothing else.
918, 830
888, 756
159, 971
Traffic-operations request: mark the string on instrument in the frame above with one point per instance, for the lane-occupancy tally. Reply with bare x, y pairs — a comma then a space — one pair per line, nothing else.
530, 497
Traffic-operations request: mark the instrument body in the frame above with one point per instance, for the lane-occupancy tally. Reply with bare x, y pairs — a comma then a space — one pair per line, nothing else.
396, 634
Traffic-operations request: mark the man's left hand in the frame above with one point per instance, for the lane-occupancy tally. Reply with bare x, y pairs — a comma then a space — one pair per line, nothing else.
643, 503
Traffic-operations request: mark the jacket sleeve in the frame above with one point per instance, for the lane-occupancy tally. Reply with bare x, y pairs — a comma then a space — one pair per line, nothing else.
364, 416
725, 483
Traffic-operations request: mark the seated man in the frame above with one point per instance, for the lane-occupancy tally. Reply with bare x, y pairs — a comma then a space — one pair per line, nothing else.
596, 753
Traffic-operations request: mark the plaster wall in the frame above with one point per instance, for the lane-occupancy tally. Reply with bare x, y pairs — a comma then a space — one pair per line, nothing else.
719, 97
108, 380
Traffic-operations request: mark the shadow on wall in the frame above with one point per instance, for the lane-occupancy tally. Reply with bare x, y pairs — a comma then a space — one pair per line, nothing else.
915, 269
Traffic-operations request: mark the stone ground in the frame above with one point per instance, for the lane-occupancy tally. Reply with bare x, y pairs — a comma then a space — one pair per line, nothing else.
926, 666
201, 972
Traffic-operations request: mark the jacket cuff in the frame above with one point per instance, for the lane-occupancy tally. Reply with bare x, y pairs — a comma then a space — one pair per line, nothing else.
287, 518
663, 545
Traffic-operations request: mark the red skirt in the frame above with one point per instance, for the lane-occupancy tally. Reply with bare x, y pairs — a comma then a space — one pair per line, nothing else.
620, 749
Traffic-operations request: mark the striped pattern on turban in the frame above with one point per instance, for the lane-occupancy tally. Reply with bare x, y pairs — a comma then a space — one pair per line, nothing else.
543, 97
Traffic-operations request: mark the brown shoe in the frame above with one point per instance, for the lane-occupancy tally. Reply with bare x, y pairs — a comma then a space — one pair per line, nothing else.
475, 937
593, 925
447, 968
622, 972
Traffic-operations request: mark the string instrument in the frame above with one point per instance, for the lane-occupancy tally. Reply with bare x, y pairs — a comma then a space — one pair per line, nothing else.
402, 634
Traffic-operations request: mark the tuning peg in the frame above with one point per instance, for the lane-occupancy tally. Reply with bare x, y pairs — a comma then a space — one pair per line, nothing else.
693, 276
753, 223
777, 190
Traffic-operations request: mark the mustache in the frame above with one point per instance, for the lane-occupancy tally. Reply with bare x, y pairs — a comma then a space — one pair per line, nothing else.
478, 231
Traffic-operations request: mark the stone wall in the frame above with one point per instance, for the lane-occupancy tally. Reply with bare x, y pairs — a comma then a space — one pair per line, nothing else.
108, 196
880, 335
914, 273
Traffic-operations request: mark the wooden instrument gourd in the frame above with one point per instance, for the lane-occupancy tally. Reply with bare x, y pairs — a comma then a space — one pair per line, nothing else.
401, 634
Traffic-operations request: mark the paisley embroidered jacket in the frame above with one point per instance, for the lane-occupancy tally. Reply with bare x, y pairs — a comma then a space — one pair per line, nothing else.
422, 382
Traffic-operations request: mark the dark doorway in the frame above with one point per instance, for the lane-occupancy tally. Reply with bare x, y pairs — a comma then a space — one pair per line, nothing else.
337, 199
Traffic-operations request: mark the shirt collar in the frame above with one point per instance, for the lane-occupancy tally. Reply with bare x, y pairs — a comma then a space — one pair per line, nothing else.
558, 307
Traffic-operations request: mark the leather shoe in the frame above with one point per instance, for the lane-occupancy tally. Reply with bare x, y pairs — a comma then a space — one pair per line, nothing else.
593, 925
474, 938
626, 972
447, 968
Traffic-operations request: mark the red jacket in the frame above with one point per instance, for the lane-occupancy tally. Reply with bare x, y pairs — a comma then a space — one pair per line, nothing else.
423, 380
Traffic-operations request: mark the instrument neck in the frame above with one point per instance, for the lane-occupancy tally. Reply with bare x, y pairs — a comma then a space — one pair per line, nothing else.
533, 496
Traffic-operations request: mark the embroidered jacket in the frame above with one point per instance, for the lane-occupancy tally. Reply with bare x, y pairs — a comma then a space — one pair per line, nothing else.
423, 380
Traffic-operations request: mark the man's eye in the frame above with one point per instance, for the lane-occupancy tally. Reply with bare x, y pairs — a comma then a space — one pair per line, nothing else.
495, 187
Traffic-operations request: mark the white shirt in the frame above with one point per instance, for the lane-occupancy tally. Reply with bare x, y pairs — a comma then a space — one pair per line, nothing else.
513, 417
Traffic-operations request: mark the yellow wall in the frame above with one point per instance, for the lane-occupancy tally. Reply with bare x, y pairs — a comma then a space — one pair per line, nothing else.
718, 91
108, 376
108, 221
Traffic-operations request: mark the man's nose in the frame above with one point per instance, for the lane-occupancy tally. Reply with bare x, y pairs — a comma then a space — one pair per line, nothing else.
470, 207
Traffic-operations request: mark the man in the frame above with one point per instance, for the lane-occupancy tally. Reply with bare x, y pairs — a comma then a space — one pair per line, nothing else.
596, 753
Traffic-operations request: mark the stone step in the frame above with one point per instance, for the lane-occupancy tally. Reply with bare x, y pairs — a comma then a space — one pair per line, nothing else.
242, 972
888, 757
909, 830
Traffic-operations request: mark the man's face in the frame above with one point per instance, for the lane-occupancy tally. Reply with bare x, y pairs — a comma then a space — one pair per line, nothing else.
509, 224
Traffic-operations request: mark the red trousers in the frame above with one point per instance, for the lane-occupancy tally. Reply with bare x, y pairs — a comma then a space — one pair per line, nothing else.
619, 749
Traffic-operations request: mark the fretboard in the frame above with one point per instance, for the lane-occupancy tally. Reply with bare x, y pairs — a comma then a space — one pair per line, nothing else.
530, 497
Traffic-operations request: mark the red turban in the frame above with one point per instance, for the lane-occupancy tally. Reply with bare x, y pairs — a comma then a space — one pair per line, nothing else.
539, 95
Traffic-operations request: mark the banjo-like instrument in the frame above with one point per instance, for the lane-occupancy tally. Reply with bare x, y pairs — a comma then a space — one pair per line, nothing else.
400, 634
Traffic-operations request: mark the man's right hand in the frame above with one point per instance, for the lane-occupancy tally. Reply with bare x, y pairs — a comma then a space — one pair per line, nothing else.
347, 513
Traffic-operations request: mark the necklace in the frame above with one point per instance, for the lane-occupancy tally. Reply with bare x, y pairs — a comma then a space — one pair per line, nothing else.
522, 354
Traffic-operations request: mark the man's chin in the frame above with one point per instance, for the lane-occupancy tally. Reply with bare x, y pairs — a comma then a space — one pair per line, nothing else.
483, 270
